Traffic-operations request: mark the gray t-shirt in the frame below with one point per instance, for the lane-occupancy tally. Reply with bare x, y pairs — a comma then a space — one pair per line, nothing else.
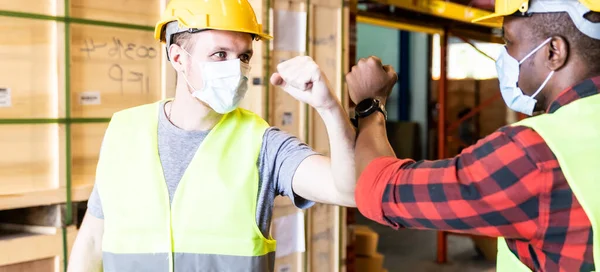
279, 157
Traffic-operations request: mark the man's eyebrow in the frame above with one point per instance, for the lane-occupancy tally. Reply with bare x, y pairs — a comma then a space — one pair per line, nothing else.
227, 49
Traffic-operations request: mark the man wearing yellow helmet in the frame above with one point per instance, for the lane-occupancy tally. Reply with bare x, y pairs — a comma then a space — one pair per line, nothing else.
533, 184
188, 184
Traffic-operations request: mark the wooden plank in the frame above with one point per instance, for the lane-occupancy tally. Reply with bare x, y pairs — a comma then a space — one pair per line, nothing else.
325, 43
33, 6
31, 158
29, 85
324, 240
86, 143
113, 69
31, 199
327, 47
286, 112
140, 12
18, 246
33, 251
293, 262
45, 265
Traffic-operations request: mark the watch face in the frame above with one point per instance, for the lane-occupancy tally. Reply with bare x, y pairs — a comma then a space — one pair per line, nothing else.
365, 106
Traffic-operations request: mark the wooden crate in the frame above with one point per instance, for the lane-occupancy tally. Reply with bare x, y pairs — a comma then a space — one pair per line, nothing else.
43, 265
30, 74
85, 146
287, 222
32, 248
45, 7
113, 69
139, 12
286, 112
31, 160
328, 46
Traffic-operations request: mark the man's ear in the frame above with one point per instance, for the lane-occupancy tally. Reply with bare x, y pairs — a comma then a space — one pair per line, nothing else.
175, 56
558, 53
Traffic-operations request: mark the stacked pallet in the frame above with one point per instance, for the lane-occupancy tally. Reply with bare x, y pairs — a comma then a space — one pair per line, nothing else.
67, 66
366, 241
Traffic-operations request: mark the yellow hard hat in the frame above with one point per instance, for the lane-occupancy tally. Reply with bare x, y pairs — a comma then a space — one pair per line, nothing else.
504, 8
576, 9
196, 15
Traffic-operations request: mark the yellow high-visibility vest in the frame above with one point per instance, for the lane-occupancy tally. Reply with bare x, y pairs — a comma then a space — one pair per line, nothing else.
211, 222
572, 133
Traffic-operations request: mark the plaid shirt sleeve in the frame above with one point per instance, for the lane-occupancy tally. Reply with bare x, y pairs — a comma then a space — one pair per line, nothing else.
492, 188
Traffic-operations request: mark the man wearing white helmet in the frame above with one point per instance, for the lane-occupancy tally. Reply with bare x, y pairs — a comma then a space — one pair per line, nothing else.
188, 184
533, 184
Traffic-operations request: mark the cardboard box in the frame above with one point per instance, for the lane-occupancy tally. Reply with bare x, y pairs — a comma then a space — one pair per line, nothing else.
368, 264
488, 246
366, 240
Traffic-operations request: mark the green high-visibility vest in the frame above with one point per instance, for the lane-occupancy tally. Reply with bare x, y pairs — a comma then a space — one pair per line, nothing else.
572, 133
211, 222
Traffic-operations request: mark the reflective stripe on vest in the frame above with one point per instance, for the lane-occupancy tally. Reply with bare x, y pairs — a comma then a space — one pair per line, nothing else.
211, 222
186, 262
572, 133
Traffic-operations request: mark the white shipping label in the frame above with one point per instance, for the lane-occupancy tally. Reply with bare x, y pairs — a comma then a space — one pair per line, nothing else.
289, 233
290, 30
89, 98
5, 99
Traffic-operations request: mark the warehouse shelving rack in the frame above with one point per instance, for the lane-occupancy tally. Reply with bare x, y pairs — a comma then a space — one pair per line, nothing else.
67, 120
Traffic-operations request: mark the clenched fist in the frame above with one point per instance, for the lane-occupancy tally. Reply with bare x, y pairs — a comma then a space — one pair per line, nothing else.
370, 79
302, 78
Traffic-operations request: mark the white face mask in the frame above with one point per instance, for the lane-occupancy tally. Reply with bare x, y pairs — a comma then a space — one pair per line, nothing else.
508, 75
224, 84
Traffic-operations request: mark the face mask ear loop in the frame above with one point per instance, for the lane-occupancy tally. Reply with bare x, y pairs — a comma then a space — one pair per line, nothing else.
188, 83
543, 84
185, 74
535, 50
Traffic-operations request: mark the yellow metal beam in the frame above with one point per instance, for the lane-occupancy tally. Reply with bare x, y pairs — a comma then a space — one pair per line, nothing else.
398, 25
443, 9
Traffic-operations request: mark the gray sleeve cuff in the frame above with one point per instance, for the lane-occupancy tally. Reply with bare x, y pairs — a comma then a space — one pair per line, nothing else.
283, 154
94, 205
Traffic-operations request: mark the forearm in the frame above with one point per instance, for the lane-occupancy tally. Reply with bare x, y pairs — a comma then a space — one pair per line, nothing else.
372, 141
341, 143
86, 254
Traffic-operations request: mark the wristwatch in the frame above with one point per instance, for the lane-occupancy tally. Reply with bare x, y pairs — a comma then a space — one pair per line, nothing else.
368, 107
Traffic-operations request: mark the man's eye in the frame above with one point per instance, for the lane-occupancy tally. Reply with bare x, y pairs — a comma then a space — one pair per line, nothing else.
245, 58
220, 55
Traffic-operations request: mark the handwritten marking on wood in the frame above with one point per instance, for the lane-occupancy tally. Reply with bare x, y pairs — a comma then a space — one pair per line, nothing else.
119, 50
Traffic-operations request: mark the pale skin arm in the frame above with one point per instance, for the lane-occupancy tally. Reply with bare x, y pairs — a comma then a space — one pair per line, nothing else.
329, 180
86, 254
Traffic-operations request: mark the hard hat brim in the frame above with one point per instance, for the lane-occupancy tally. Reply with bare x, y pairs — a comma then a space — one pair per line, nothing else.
496, 18
160, 28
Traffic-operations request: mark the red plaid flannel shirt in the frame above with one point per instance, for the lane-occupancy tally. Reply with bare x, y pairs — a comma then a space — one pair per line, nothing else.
509, 184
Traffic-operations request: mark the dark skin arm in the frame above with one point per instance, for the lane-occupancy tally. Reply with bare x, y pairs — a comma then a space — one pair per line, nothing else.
372, 141
371, 79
